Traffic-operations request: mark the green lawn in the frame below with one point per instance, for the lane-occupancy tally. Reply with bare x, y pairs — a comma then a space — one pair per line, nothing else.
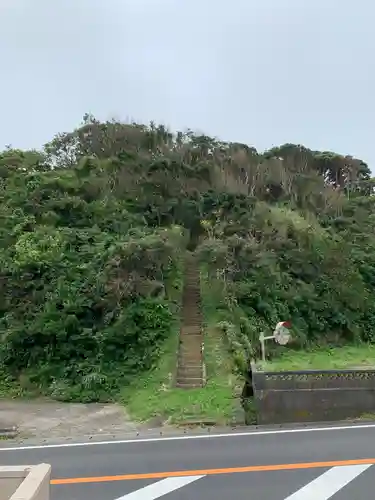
361, 356
154, 397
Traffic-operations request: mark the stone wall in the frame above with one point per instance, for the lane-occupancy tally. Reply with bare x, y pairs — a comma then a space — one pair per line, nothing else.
313, 395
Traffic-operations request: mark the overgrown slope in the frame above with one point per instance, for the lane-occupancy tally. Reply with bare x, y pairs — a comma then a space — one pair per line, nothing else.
93, 229
86, 286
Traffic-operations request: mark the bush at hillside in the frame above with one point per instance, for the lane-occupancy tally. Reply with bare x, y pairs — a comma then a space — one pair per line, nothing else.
85, 285
93, 230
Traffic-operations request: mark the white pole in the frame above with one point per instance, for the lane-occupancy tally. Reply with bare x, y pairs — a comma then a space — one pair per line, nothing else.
262, 347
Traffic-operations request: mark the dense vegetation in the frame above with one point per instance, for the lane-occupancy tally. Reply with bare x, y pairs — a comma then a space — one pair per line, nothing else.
94, 228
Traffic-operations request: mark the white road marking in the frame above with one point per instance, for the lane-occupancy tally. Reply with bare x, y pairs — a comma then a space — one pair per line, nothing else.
329, 483
159, 489
192, 437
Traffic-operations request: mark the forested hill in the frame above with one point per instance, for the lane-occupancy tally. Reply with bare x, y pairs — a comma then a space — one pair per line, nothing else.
94, 228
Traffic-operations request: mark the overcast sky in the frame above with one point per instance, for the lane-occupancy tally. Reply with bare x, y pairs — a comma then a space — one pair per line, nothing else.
264, 72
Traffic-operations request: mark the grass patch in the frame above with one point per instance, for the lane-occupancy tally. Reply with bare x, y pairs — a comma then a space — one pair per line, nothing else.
17, 389
154, 397
345, 357
366, 416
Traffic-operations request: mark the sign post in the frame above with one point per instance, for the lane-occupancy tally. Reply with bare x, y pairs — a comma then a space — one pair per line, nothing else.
281, 335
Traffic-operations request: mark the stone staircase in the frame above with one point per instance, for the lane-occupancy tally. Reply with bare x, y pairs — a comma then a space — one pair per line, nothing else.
190, 367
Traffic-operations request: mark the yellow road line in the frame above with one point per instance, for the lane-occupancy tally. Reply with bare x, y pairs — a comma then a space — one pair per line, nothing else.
212, 472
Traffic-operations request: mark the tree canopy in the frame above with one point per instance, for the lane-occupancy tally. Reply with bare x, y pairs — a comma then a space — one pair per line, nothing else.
94, 227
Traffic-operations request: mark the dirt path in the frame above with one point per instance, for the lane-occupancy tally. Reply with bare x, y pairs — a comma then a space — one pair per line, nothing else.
44, 419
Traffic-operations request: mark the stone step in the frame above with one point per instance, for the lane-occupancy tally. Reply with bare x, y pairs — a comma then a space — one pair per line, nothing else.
191, 306
191, 367
191, 303
187, 347
197, 344
190, 340
193, 350
189, 385
187, 342
191, 331
189, 373
189, 360
190, 317
190, 380
190, 356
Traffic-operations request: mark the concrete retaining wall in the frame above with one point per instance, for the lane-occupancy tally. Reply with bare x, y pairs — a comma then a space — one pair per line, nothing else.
28, 482
313, 395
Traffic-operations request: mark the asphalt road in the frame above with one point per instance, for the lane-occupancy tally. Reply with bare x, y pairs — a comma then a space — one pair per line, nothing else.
299, 464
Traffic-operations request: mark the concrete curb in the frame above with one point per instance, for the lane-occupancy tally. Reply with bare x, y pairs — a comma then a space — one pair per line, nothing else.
169, 432
197, 423
208, 424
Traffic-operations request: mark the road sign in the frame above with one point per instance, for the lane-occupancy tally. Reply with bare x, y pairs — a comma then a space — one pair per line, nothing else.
280, 335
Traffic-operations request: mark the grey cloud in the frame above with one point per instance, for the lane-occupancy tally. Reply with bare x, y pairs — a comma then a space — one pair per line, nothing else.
259, 72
